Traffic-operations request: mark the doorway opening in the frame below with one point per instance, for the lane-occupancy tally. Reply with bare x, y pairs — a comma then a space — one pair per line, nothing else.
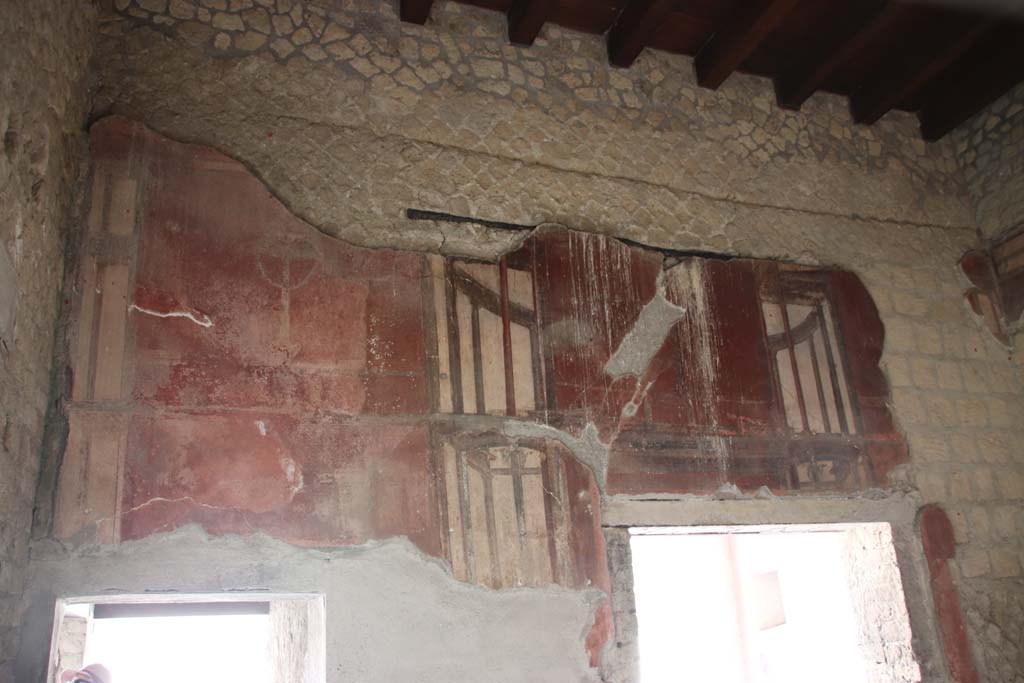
771, 604
200, 638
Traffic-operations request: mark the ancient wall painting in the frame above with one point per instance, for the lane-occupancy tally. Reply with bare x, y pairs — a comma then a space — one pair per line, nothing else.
233, 367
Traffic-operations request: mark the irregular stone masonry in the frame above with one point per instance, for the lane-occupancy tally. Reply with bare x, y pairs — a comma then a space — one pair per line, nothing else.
991, 151
687, 168
464, 50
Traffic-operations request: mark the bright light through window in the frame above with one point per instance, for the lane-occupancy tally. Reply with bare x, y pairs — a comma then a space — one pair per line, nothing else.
769, 607
197, 649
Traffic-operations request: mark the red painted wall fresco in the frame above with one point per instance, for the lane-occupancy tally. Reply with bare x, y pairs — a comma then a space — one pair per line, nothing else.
235, 368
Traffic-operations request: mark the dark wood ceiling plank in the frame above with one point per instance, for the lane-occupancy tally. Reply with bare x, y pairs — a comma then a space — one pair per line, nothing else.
525, 19
414, 11
635, 28
793, 87
970, 87
902, 81
727, 49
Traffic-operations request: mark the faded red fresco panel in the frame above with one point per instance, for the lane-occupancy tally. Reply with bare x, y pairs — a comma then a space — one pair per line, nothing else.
316, 482
239, 303
265, 377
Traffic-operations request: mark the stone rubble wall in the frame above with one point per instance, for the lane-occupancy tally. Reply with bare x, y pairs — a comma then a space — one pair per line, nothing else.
44, 52
990, 148
351, 117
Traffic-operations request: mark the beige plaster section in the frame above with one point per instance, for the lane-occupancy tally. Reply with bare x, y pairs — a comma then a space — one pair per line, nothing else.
393, 613
449, 117
44, 48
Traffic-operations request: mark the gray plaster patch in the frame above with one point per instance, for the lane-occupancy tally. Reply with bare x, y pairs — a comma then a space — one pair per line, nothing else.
587, 447
393, 613
646, 337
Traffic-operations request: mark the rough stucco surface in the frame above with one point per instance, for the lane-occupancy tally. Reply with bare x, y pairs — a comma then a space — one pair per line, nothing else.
393, 614
44, 48
450, 117
991, 150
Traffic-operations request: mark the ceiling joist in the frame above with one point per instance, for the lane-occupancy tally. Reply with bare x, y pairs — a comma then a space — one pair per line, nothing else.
799, 82
634, 28
969, 87
414, 11
525, 19
902, 82
727, 49
942, 59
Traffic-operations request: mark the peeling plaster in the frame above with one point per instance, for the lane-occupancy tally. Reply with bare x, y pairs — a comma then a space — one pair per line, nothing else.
633, 357
587, 447
646, 337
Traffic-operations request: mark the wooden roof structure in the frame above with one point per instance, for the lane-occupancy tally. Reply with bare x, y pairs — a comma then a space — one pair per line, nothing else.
941, 59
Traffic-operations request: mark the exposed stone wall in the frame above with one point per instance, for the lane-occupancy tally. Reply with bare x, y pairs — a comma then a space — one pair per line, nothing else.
991, 150
450, 117
44, 49
438, 120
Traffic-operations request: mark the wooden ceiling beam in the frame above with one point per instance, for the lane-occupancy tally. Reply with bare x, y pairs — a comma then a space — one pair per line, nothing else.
525, 19
902, 82
414, 11
793, 87
968, 90
729, 47
634, 29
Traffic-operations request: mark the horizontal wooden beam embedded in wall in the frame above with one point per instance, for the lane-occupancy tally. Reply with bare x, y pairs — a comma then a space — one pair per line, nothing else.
414, 11
635, 27
728, 48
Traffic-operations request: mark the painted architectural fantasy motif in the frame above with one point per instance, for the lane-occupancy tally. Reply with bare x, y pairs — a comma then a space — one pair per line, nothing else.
233, 367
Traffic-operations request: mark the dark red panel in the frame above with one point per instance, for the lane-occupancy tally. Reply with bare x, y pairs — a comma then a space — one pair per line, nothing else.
863, 335
587, 545
940, 549
745, 392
